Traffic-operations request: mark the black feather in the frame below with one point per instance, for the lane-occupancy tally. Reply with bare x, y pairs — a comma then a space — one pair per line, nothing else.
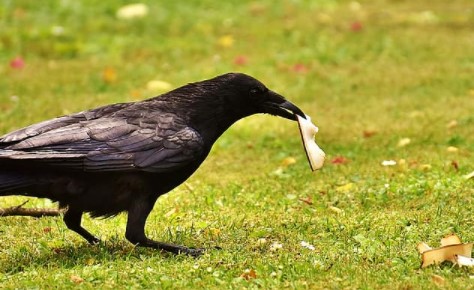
122, 157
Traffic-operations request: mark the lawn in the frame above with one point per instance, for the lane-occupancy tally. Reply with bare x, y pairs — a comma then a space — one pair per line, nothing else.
383, 80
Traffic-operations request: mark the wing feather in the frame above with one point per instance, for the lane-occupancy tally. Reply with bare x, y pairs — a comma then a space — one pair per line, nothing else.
101, 141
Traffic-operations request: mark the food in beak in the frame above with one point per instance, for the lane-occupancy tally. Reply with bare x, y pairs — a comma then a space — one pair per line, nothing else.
314, 154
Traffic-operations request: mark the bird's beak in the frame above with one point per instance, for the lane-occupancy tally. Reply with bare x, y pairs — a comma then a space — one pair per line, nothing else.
277, 105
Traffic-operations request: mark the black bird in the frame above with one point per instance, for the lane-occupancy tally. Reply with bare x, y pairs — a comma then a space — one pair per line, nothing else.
122, 157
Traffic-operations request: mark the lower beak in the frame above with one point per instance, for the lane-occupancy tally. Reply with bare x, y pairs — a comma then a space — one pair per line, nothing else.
288, 106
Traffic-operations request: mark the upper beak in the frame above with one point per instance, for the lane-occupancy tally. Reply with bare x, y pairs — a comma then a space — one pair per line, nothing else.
279, 106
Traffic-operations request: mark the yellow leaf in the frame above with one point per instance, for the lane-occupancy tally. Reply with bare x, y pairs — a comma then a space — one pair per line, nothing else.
226, 41
345, 188
469, 176
109, 75
288, 161
403, 142
452, 149
130, 11
158, 86
452, 124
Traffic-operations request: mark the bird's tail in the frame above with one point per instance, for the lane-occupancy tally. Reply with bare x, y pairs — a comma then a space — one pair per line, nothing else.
12, 183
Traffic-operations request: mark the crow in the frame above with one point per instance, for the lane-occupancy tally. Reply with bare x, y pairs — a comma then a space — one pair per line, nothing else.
122, 157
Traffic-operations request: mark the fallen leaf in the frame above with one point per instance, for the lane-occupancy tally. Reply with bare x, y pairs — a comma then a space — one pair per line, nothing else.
423, 247
240, 60
469, 176
403, 142
452, 124
300, 68
288, 161
308, 200
249, 274
450, 240
451, 247
109, 75
356, 26
17, 63
368, 133
345, 188
76, 279
47, 230
131, 11
389, 163
226, 41
339, 160
158, 86
455, 165
452, 149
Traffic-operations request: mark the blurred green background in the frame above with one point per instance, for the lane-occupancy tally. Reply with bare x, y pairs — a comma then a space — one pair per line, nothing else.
383, 79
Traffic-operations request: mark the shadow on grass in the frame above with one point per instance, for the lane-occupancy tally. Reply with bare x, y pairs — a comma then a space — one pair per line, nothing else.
70, 256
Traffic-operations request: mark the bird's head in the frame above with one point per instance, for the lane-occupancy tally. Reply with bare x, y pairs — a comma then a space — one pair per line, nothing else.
244, 95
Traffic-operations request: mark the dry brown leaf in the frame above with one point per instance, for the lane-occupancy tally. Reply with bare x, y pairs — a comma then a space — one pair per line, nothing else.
308, 200
450, 240
423, 247
451, 248
76, 279
446, 253
249, 274
368, 133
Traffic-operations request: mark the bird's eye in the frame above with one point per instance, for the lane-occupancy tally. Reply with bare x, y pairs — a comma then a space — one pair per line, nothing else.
257, 91
254, 91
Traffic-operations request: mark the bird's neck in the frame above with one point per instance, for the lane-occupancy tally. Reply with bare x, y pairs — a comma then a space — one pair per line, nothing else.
212, 126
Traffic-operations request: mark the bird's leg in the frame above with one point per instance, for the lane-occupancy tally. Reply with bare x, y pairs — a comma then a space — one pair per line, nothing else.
72, 219
135, 232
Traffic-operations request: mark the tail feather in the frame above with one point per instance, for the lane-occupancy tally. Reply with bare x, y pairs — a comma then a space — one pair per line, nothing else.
11, 182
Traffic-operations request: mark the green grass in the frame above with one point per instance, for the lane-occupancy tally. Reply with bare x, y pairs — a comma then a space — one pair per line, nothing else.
406, 74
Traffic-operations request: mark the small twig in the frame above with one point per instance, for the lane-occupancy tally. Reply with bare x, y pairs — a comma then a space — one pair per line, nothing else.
19, 210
